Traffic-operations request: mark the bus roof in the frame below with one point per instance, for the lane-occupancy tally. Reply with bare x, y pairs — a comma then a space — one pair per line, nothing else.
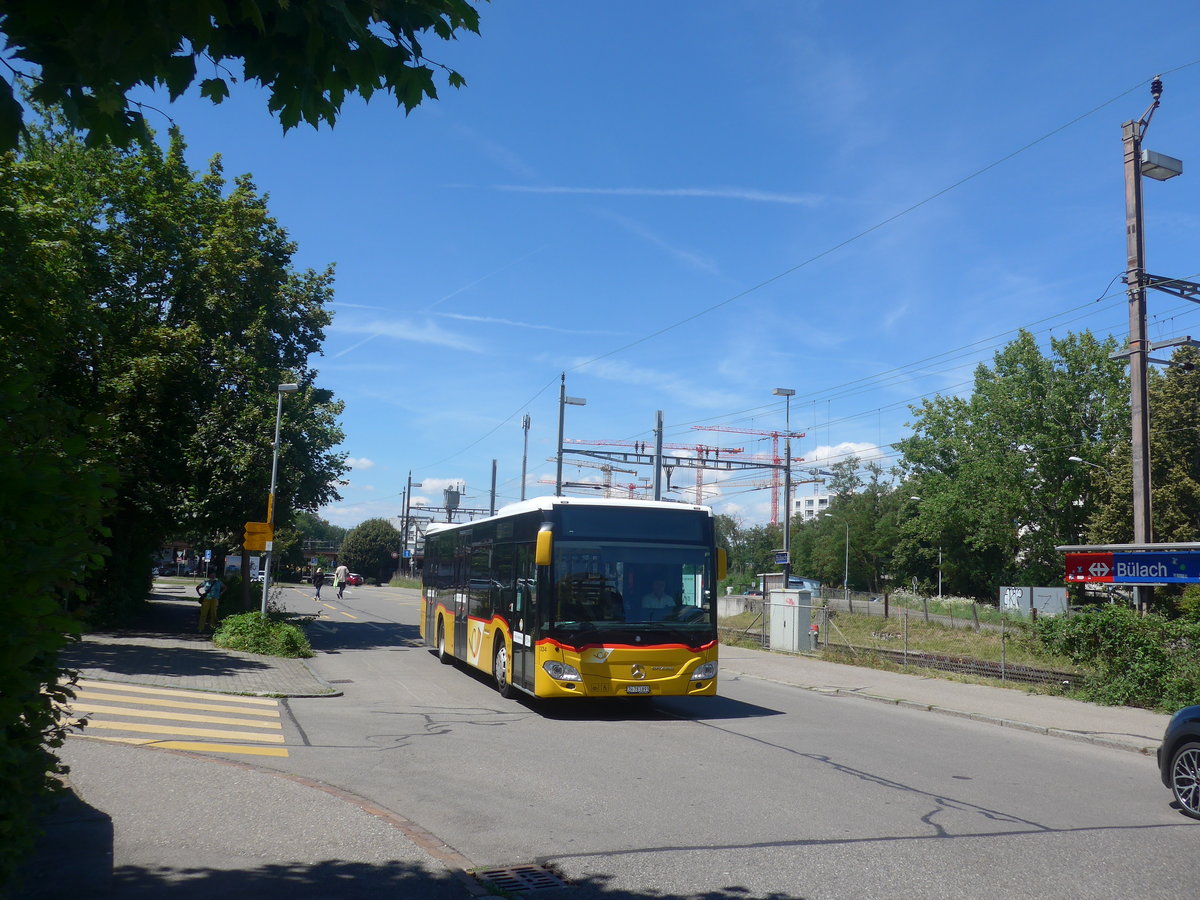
546, 503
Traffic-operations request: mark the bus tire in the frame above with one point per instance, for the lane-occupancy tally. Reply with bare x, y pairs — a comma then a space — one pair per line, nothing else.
500, 668
443, 657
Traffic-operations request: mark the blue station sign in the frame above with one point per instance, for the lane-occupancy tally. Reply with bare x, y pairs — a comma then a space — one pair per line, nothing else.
1168, 567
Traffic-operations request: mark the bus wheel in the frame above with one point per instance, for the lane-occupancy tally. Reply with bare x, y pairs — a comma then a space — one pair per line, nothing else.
500, 669
442, 655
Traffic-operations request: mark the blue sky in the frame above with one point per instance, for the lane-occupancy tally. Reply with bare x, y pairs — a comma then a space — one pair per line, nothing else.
684, 205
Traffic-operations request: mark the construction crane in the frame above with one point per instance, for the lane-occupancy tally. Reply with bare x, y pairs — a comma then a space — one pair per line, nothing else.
606, 468
631, 490
702, 452
776, 487
763, 483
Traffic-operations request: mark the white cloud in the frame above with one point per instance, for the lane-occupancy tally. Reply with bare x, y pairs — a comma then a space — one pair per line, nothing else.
489, 320
425, 332
360, 463
753, 195
687, 257
695, 394
826, 454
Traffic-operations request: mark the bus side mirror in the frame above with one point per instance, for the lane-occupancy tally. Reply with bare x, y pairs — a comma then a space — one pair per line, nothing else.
722, 564
545, 547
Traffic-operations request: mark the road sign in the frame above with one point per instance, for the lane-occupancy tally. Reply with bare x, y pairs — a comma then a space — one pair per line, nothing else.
1168, 567
258, 535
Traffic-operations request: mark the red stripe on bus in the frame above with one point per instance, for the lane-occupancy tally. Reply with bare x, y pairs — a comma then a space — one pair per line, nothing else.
552, 642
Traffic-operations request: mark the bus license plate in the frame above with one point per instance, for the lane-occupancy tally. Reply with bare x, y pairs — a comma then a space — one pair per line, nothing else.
638, 689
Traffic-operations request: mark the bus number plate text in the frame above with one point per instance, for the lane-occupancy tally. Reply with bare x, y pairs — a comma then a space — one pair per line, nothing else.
638, 689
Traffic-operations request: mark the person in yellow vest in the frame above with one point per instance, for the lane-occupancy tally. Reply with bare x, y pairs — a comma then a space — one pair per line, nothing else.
210, 598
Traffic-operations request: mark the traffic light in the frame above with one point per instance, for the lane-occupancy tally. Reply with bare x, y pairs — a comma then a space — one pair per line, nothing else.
258, 535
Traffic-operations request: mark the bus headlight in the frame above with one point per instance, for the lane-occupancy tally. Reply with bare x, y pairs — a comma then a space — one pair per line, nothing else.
560, 671
704, 672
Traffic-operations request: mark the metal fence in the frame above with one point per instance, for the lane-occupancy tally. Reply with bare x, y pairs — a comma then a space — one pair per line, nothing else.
818, 621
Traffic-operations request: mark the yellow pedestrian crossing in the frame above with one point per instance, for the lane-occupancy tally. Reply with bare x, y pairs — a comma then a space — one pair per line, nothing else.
179, 719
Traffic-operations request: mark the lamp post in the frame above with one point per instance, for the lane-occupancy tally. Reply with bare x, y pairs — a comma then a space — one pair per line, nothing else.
563, 402
279, 392
405, 522
787, 394
1083, 462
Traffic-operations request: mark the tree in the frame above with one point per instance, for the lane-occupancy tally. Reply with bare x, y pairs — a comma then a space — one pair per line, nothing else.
370, 548
998, 491
86, 57
186, 315
54, 491
1174, 396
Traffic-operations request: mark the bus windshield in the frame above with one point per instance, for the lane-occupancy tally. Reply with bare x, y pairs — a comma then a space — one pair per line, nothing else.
603, 584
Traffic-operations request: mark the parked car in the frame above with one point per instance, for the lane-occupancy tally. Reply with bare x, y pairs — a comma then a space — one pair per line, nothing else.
354, 579
1179, 759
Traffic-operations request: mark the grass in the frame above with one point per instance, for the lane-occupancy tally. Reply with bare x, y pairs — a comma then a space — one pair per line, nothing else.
871, 632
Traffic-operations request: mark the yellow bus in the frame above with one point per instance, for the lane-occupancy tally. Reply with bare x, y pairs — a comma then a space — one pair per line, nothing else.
578, 597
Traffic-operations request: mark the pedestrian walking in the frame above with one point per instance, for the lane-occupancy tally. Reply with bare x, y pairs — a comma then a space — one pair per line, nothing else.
209, 592
340, 574
318, 580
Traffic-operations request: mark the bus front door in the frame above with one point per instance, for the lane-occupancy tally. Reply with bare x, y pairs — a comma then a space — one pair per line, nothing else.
524, 619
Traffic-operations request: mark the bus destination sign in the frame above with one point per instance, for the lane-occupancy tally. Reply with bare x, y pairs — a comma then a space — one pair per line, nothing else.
1134, 568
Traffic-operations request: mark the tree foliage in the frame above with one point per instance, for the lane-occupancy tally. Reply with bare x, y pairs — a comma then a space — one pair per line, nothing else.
54, 490
998, 490
1174, 400
368, 549
186, 315
86, 57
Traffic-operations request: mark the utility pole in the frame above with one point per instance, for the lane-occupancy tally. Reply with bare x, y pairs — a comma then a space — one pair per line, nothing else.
658, 455
492, 510
1135, 270
524, 452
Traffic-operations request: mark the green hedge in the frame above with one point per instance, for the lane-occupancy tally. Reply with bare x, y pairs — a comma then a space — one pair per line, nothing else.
1132, 660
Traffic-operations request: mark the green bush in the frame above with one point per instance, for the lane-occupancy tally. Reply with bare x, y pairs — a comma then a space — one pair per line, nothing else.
270, 635
1132, 660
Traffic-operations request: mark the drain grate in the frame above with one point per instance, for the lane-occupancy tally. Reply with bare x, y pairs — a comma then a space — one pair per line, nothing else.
521, 879
341, 681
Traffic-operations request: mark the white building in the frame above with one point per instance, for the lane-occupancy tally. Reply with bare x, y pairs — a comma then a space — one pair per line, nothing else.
810, 507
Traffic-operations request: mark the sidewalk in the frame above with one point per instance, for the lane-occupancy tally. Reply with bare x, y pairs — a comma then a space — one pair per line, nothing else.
1117, 727
164, 650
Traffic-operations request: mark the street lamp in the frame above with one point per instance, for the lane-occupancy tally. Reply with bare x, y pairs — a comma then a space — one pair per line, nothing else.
1083, 462
279, 392
846, 570
563, 402
787, 394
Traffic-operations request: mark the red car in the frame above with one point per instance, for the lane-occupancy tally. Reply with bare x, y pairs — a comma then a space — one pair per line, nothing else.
354, 580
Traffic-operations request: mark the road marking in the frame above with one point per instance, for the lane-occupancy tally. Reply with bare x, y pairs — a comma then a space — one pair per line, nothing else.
346, 614
90, 695
223, 748
196, 746
86, 708
113, 710
173, 692
188, 731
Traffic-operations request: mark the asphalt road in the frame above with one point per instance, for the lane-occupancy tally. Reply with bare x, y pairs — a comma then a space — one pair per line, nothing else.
764, 791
